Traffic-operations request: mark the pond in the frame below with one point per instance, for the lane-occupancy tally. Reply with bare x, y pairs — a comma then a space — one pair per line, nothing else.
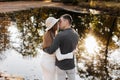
97, 52
12, 62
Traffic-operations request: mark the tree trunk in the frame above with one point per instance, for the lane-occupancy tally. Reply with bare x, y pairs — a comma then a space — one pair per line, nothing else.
107, 45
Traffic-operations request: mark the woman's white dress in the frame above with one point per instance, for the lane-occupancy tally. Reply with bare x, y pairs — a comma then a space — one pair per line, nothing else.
47, 63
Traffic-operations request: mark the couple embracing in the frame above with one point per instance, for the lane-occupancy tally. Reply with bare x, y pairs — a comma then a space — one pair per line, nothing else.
57, 58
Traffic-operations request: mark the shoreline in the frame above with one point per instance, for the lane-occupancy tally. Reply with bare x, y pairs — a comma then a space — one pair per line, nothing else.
5, 76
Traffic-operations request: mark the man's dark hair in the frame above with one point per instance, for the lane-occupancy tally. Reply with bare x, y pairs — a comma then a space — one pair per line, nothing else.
68, 17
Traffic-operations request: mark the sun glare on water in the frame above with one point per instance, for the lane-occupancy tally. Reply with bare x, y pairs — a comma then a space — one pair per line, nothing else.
91, 44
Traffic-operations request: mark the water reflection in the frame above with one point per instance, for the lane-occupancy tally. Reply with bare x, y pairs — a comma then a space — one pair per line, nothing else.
16, 64
4, 23
99, 36
91, 44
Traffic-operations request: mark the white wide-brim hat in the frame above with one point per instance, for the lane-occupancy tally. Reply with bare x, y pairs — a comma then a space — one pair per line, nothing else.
50, 22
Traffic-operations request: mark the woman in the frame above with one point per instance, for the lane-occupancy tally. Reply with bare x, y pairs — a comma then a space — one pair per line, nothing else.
47, 60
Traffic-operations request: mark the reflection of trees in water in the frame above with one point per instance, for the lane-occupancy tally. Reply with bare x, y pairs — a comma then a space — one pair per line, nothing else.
4, 23
102, 27
30, 31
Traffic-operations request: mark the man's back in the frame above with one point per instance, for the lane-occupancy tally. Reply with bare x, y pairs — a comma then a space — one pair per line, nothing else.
68, 42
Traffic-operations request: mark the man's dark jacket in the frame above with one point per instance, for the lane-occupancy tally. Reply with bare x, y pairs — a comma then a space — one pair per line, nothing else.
67, 41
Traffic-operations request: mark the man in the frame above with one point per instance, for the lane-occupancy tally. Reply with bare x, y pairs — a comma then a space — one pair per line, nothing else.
67, 41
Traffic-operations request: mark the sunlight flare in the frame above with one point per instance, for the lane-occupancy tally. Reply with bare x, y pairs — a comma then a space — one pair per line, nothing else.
91, 44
